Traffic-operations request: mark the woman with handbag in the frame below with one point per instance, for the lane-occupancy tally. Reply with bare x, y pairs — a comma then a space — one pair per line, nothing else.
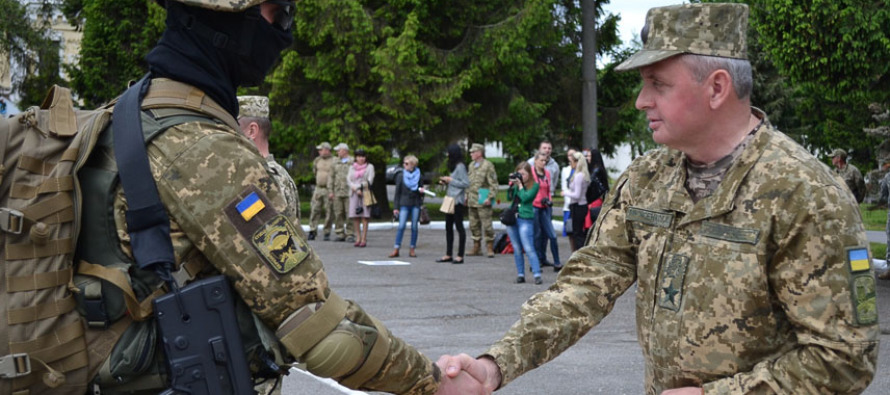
408, 200
522, 191
360, 178
453, 204
599, 185
577, 191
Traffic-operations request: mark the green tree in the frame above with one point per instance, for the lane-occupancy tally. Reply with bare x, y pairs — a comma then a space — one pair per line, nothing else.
117, 34
26, 42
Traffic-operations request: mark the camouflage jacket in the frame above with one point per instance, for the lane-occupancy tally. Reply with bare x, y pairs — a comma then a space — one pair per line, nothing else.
853, 177
287, 187
758, 288
322, 166
481, 176
202, 171
339, 181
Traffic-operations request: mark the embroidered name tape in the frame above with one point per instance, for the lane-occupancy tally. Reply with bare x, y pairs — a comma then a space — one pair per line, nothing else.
250, 206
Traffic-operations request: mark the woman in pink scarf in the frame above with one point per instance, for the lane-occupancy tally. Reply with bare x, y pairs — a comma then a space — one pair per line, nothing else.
360, 179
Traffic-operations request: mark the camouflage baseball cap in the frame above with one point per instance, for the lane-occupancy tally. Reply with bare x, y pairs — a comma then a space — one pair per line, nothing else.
253, 106
712, 29
476, 147
324, 145
222, 5
838, 152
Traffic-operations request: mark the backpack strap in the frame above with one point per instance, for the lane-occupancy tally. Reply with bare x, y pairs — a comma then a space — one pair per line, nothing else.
166, 93
147, 220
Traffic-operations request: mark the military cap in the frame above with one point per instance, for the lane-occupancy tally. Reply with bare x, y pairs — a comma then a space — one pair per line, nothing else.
324, 145
838, 152
476, 147
253, 106
712, 29
341, 146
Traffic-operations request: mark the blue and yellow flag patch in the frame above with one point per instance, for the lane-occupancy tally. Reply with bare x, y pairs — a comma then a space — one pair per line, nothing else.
858, 259
250, 206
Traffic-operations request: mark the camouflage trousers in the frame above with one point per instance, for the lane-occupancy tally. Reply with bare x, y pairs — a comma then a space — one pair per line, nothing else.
320, 203
480, 223
341, 228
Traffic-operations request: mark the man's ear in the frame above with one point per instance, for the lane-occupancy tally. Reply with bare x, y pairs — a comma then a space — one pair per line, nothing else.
720, 88
253, 131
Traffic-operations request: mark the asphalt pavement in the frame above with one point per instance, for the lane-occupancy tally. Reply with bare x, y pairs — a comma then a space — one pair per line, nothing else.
443, 308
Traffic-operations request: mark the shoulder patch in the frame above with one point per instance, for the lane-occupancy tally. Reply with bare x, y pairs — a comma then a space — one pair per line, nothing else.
862, 286
271, 234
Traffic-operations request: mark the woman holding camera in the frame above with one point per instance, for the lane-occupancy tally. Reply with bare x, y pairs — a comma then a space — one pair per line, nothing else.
457, 183
577, 191
544, 212
408, 200
360, 178
524, 189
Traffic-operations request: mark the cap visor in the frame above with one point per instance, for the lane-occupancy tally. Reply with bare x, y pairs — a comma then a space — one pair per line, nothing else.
645, 58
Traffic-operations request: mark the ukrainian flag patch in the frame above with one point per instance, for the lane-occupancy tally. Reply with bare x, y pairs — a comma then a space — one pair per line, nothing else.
250, 206
858, 259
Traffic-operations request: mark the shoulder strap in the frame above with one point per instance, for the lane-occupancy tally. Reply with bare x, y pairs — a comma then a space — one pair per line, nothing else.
147, 221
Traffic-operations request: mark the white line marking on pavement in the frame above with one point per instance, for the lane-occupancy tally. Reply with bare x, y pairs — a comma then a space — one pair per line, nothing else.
331, 383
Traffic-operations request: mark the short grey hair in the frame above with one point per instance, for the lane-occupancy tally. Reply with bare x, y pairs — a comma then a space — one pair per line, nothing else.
739, 70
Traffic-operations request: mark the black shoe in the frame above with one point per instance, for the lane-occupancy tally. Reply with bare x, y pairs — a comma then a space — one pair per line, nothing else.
556, 269
350, 239
458, 261
327, 237
520, 279
311, 235
545, 263
444, 259
538, 280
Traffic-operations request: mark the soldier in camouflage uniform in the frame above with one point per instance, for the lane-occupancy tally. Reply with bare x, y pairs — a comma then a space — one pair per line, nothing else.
482, 176
253, 117
205, 170
755, 278
322, 201
884, 198
339, 192
851, 175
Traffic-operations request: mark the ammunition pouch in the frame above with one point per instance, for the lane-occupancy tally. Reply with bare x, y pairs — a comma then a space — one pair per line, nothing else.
331, 345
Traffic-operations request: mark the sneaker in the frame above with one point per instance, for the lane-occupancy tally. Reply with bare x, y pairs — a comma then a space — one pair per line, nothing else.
311, 235
327, 237
350, 239
520, 279
538, 280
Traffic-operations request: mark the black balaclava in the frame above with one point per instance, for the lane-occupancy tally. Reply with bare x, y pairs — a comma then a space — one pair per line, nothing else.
217, 51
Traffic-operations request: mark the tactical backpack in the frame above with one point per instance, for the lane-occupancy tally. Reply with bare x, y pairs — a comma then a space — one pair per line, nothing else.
43, 343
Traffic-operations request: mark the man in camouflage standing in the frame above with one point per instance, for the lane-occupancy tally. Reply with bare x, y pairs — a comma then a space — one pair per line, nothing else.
339, 192
482, 177
755, 278
253, 117
322, 166
849, 173
884, 198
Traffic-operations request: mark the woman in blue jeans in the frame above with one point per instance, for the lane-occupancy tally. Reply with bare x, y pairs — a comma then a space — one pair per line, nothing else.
408, 200
522, 234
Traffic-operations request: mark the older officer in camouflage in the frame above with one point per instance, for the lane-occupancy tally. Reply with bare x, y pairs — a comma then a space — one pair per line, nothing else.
750, 257
322, 201
205, 171
339, 192
851, 174
482, 176
253, 117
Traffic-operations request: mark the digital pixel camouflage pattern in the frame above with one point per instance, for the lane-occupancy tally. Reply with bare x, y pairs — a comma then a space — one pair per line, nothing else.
762, 287
287, 187
340, 187
482, 175
322, 205
853, 178
203, 170
253, 106
674, 30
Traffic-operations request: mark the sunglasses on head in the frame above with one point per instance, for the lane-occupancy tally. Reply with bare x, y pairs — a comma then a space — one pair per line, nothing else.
284, 16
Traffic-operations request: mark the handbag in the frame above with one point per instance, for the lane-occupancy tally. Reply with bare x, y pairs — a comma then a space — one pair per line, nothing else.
424, 216
447, 205
508, 216
368, 198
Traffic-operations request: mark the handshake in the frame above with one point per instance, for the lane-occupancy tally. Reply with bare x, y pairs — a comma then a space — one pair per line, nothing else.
463, 374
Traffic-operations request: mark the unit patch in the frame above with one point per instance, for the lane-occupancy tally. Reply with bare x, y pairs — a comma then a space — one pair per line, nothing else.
277, 241
862, 285
673, 272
